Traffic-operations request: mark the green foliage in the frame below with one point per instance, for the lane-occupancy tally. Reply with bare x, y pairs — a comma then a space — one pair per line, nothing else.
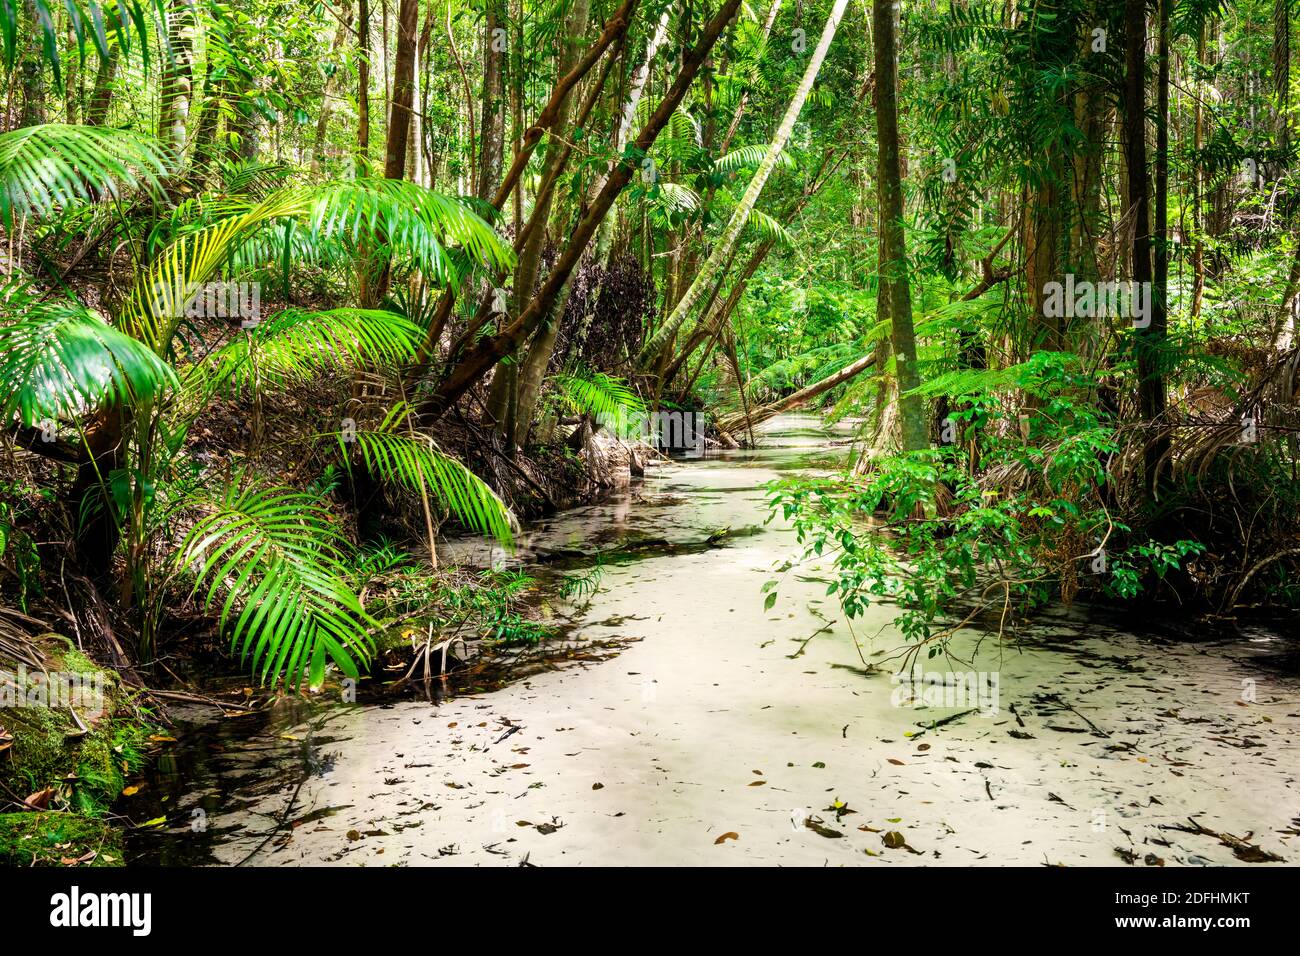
45, 167
396, 452
606, 398
945, 546
279, 558
61, 359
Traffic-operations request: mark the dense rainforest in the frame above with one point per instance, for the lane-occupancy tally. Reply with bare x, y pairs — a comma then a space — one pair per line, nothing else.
298, 296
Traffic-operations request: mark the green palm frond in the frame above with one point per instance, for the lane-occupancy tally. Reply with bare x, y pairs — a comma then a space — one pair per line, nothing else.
412, 219
608, 399
399, 454
277, 555
673, 198
292, 345
768, 228
45, 167
61, 359
90, 22
747, 156
157, 302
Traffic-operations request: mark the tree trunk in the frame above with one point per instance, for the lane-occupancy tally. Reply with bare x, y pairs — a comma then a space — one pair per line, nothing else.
534, 364
487, 352
721, 251
177, 81
403, 98
895, 287
363, 87
1150, 388
331, 84
802, 397
102, 94
492, 114
32, 68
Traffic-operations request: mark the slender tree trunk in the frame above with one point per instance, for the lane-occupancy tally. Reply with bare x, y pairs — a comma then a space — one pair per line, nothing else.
102, 94
403, 98
487, 352
894, 283
32, 67
1150, 385
363, 87
492, 114
731, 234
538, 356
1198, 188
177, 81
331, 85
72, 87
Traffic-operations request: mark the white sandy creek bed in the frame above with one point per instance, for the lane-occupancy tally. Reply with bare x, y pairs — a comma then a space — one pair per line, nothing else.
706, 726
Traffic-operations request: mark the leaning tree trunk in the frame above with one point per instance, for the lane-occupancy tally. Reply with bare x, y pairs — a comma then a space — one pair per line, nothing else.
521, 390
484, 354
721, 252
731, 423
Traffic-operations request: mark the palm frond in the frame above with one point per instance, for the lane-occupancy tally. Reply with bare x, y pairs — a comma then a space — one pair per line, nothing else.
607, 399
747, 156
292, 345
158, 300
45, 167
410, 218
61, 359
768, 228
277, 554
397, 453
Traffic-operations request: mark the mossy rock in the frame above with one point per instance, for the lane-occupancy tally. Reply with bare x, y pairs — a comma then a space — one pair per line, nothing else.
48, 749
52, 839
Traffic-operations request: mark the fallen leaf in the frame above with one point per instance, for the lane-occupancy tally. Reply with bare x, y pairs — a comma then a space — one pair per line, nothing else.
817, 827
725, 837
40, 799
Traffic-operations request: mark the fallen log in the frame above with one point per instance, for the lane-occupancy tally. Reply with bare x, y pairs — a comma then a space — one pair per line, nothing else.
729, 423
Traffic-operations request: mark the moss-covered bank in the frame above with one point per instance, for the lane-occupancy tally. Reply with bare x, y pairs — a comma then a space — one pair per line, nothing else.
70, 735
